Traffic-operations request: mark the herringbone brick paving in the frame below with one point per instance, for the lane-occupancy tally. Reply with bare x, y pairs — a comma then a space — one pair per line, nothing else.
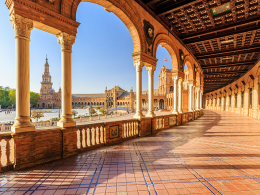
216, 154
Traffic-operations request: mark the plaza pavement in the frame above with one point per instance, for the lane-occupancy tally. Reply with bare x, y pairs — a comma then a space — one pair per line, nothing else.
216, 154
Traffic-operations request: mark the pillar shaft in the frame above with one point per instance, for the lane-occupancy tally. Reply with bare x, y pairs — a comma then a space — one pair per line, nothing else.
150, 70
201, 95
138, 65
180, 96
198, 100
175, 79
190, 98
66, 41
22, 28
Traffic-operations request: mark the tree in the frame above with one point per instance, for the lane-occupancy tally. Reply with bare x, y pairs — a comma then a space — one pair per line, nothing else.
33, 98
92, 111
74, 113
103, 110
12, 97
37, 114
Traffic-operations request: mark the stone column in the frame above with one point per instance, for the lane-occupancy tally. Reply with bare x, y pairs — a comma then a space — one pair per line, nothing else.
66, 41
198, 99
22, 29
190, 98
139, 66
175, 79
193, 98
180, 96
150, 70
201, 96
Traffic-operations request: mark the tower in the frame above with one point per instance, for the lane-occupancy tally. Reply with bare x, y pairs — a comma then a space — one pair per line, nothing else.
46, 84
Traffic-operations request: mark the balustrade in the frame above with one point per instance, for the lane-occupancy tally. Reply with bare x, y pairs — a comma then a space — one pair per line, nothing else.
6, 160
91, 135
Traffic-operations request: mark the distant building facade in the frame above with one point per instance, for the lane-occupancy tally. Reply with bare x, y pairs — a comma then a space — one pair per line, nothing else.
163, 96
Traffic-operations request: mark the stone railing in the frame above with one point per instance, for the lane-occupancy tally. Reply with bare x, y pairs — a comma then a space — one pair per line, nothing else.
45, 145
6, 162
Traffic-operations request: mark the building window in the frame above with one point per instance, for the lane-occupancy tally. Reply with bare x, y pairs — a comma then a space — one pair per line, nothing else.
251, 97
242, 99
211, 102
236, 100
229, 100
215, 102
219, 102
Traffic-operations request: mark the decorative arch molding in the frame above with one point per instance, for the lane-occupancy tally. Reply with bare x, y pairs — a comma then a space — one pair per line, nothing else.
126, 12
166, 42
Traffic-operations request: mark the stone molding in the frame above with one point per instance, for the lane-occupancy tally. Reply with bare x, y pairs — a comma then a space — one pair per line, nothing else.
145, 58
66, 41
22, 26
43, 15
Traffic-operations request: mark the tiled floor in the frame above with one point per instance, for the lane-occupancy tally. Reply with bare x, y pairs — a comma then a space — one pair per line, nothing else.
217, 154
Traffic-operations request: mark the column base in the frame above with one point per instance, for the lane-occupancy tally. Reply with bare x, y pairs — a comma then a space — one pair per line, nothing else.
180, 111
174, 112
66, 124
150, 115
140, 116
22, 129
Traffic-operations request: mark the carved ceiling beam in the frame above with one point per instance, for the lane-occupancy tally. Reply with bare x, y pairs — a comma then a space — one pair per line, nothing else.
246, 5
220, 78
173, 7
152, 2
235, 41
250, 63
252, 37
225, 72
233, 10
252, 56
229, 30
239, 56
243, 39
197, 47
211, 45
203, 45
237, 51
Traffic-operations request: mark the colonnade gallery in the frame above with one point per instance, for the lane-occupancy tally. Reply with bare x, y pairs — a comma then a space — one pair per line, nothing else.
163, 96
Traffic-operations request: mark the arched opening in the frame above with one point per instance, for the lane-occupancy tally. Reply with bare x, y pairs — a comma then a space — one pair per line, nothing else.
161, 104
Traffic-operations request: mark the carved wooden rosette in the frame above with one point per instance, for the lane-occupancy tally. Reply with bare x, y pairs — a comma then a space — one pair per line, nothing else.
66, 41
22, 26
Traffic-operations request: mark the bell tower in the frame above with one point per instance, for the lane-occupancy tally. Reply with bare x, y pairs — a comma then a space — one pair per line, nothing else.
46, 84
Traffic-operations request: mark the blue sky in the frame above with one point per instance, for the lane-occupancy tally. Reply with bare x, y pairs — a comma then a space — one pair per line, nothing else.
101, 54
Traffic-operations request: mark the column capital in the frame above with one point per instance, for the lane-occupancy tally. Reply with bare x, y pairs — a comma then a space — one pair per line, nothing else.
22, 26
151, 70
138, 65
66, 41
180, 80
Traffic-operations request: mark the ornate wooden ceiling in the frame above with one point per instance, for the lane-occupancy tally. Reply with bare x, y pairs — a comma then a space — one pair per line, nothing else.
226, 45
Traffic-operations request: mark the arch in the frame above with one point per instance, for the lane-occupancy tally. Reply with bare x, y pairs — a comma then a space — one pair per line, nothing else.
166, 42
188, 61
126, 12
